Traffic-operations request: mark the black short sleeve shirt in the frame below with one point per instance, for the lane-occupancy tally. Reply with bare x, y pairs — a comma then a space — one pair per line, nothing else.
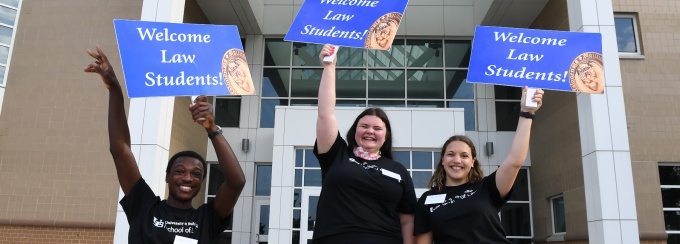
361, 199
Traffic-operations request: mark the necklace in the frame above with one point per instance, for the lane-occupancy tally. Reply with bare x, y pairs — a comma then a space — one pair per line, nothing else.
360, 152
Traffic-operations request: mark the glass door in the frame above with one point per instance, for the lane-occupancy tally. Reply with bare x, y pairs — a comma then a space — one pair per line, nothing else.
310, 199
261, 221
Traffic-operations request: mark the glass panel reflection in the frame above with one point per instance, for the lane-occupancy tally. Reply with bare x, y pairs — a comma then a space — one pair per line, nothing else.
670, 197
672, 220
296, 218
456, 87
298, 157
276, 52
312, 177
227, 112
507, 92
267, 111
520, 190
469, 111
350, 83
386, 103
216, 178
263, 185
275, 82
386, 84
515, 219
457, 53
402, 157
421, 178
425, 84
264, 220
558, 215
305, 82
7, 16
669, 175
393, 58
298, 177
306, 54
310, 159
350, 57
422, 160
311, 219
297, 194
507, 115
625, 34
424, 53
5, 35
13, 3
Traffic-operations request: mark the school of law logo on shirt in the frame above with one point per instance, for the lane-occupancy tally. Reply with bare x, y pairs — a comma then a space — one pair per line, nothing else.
175, 227
451, 200
158, 223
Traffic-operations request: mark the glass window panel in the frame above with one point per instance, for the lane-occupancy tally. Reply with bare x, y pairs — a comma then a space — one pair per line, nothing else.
350, 103
304, 102
297, 195
275, 82
437, 157
507, 115
267, 111
228, 112
424, 53
298, 157
672, 220
296, 219
4, 54
216, 178
625, 34
421, 160
350, 57
669, 175
457, 53
425, 84
5, 35
298, 177
520, 190
469, 113
264, 220
350, 83
508, 92
7, 16
670, 197
673, 238
305, 82
383, 103
425, 104
390, 58
13, 3
296, 237
311, 210
520, 241
310, 159
515, 219
456, 87
386, 84
402, 157
312, 177
558, 215
306, 54
421, 178
2, 74
263, 185
276, 52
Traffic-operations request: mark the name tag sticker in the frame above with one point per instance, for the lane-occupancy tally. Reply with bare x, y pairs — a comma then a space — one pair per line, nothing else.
434, 199
184, 240
391, 174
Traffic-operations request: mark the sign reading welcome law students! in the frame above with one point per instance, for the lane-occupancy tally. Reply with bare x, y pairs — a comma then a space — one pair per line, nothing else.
169, 59
555, 60
351, 23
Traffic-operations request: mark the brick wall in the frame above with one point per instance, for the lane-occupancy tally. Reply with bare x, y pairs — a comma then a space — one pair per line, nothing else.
29, 234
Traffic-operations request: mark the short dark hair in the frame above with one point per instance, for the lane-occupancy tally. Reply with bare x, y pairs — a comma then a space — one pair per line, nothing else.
190, 154
386, 149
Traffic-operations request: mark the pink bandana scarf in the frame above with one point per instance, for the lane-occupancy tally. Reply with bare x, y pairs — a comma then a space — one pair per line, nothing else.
360, 152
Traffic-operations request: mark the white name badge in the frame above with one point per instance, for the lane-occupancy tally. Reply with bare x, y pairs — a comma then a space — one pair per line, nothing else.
391, 174
434, 199
184, 240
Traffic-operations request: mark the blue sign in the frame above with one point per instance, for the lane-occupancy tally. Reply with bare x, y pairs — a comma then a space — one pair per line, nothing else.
352, 23
169, 59
554, 60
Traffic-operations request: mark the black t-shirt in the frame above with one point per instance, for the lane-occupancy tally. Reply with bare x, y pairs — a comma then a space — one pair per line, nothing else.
361, 199
154, 221
468, 214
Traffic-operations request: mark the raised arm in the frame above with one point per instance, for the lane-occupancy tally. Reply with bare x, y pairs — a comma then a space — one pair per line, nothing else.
507, 172
119, 133
326, 123
234, 179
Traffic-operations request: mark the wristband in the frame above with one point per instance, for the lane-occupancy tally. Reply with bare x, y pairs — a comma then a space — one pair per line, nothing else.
527, 115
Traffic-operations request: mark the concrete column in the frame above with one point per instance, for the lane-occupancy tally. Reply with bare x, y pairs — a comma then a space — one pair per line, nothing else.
150, 121
610, 200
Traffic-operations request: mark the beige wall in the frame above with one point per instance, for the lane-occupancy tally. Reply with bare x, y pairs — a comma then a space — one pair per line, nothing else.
556, 150
651, 91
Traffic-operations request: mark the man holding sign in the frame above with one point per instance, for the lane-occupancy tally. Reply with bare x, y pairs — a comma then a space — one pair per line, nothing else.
173, 220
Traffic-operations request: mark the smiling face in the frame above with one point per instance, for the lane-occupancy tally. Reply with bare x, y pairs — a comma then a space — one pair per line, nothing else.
370, 133
457, 162
184, 181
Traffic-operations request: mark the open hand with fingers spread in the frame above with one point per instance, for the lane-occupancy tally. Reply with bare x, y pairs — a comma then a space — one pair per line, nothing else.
102, 66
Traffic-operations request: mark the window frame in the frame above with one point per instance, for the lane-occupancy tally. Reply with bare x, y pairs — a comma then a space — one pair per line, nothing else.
664, 209
10, 45
636, 35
